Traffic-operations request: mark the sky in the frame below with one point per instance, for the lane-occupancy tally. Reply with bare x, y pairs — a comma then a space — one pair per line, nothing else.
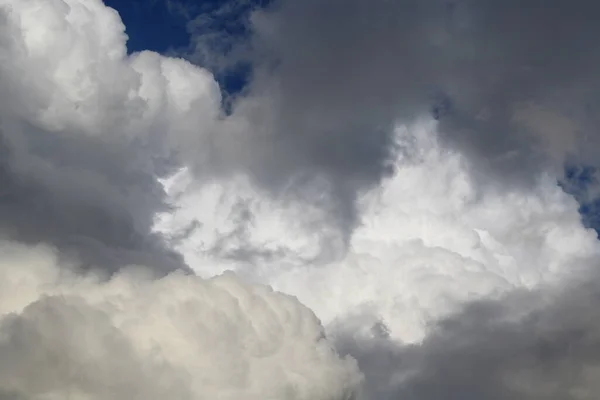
151, 25
169, 27
324, 200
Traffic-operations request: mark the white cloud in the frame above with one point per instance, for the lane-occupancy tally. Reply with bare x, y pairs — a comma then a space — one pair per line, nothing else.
178, 337
70, 56
431, 239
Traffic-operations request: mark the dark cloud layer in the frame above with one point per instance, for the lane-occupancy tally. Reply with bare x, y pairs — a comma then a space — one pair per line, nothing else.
530, 345
518, 80
82, 196
513, 84
91, 194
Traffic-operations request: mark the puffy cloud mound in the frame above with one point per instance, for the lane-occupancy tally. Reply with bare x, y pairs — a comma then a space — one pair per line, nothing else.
86, 128
181, 337
431, 238
451, 287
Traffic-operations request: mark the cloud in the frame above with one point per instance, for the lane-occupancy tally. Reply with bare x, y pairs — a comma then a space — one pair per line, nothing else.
433, 251
431, 238
86, 129
519, 79
330, 79
63, 334
528, 345
450, 288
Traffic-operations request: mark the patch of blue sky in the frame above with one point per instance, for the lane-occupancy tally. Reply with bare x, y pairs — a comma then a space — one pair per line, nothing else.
170, 27
150, 25
581, 181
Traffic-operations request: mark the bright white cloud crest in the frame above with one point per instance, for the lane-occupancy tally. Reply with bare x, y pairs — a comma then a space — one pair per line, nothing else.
69, 58
430, 239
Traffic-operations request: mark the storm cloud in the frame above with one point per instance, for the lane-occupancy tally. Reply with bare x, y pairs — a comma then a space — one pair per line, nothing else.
514, 85
540, 344
503, 77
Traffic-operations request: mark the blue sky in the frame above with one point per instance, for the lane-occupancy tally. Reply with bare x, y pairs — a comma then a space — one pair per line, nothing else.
154, 25
579, 180
150, 25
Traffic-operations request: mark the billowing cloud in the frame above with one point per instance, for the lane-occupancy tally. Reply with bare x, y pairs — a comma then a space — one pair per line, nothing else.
65, 335
530, 345
513, 86
430, 238
435, 251
451, 287
85, 130
513, 83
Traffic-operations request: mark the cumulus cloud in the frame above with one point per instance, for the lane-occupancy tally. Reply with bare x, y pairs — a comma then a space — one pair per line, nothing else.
434, 251
430, 239
67, 335
450, 287
86, 128
85, 131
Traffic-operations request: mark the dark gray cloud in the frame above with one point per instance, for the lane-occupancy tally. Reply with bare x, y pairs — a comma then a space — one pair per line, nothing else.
538, 345
347, 69
339, 73
81, 195
514, 85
